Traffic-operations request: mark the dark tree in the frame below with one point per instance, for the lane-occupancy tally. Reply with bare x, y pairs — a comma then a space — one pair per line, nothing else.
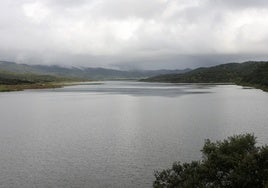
234, 163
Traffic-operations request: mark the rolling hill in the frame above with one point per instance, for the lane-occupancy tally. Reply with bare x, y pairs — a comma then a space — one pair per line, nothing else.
249, 73
82, 72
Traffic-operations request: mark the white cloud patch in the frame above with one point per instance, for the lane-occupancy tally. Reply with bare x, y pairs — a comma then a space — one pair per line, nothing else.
36, 11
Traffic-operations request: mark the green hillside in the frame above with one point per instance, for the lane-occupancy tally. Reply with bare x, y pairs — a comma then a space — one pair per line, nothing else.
10, 81
13, 78
248, 73
257, 78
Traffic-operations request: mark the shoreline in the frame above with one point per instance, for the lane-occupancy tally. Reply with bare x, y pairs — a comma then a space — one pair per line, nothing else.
47, 85
21, 87
253, 86
51, 85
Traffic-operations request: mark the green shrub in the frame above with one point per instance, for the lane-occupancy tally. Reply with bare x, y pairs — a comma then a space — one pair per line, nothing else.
234, 162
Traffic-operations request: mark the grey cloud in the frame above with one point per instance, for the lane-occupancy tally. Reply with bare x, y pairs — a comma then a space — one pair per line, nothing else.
122, 9
240, 3
131, 33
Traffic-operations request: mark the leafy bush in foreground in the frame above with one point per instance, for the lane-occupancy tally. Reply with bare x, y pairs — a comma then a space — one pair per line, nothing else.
234, 162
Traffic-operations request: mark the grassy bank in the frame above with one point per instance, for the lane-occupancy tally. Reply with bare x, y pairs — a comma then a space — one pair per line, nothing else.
10, 81
21, 87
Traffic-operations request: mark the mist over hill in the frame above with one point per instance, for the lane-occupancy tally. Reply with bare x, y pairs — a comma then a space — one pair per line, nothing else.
83, 72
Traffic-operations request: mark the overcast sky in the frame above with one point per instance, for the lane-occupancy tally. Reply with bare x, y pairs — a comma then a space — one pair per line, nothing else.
133, 34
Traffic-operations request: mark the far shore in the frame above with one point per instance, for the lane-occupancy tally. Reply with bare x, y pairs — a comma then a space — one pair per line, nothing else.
48, 85
51, 85
21, 87
243, 84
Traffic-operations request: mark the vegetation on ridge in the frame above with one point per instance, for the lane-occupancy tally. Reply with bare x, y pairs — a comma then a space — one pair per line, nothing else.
16, 82
257, 78
249, 73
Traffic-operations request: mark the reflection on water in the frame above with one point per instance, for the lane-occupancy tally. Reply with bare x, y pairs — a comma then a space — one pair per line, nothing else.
139, 88
116, 134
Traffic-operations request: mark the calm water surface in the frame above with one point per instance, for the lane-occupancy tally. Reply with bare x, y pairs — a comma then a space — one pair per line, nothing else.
115, 134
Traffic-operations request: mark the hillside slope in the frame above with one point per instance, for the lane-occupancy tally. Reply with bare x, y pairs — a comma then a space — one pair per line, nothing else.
9, 78
248, 73
83, 72
10, 81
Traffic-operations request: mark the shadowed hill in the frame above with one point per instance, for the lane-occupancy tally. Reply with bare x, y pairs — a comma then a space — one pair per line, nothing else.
248, 73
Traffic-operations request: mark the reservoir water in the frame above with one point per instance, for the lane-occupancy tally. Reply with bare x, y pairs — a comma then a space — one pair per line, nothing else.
115, 134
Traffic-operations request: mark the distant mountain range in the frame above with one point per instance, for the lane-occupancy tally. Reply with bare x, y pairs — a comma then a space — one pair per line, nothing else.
249, 73
82, 72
